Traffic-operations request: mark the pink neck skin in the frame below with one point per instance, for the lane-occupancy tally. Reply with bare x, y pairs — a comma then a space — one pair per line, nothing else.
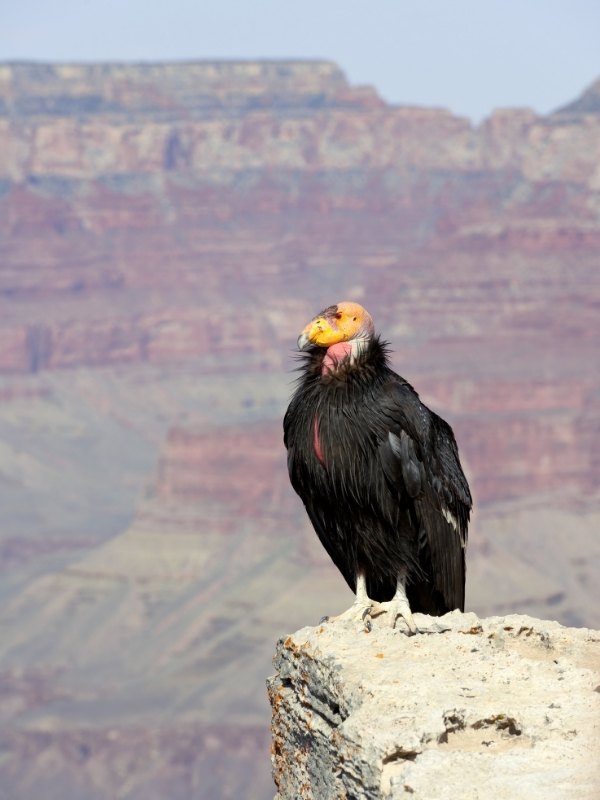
335, 355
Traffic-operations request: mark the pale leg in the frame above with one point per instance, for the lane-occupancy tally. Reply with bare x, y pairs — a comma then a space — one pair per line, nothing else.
398, 606
363, 608
360, 610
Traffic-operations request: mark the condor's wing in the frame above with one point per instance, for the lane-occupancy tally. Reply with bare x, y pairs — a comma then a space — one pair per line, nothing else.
419, 458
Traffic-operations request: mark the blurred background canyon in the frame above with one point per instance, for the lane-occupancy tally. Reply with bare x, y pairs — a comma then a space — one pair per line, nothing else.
165, 233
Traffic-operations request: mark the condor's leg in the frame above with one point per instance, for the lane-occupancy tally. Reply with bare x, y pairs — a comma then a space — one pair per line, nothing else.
398, 606
360, 610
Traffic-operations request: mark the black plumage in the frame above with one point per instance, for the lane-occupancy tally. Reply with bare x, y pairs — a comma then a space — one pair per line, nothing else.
380, 477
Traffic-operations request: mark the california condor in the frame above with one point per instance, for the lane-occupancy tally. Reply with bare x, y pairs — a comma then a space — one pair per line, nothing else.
378, 473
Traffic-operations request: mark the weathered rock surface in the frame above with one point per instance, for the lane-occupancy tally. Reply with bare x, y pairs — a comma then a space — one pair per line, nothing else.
505, 707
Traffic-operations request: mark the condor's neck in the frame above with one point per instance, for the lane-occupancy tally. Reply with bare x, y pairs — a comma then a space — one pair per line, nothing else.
343, 353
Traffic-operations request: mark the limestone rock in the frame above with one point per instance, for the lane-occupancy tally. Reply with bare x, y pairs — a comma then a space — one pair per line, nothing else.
505, 707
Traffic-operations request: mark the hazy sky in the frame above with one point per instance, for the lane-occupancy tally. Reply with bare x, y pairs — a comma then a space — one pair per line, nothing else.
467, 55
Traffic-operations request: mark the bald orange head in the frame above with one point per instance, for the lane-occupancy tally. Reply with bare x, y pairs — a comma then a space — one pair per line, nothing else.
343, 322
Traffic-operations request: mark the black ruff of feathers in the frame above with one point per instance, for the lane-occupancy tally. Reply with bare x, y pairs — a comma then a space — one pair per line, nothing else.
387, 495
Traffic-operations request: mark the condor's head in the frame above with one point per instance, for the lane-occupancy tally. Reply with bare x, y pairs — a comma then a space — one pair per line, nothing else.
344, 329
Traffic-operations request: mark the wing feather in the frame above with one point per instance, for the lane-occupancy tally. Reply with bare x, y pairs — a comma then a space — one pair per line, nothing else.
419, 457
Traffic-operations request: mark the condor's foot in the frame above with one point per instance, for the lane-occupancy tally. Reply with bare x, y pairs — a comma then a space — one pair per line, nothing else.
363, 615
364, 609
398, 606
395, 608
359, 612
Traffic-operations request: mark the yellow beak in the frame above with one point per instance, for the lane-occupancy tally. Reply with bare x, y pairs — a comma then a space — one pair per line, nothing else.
320, 332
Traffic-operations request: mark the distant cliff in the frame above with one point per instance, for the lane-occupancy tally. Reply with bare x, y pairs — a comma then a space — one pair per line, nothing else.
587, 103
507, 707
139, 202
154, 91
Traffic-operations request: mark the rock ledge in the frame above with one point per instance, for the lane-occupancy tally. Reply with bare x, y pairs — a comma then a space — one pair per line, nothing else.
505, 707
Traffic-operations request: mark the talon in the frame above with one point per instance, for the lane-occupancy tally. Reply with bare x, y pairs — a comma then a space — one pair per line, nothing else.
324, 619
366, 618
412, 628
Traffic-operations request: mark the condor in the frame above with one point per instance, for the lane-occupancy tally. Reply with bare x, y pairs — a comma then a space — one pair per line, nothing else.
378, 473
